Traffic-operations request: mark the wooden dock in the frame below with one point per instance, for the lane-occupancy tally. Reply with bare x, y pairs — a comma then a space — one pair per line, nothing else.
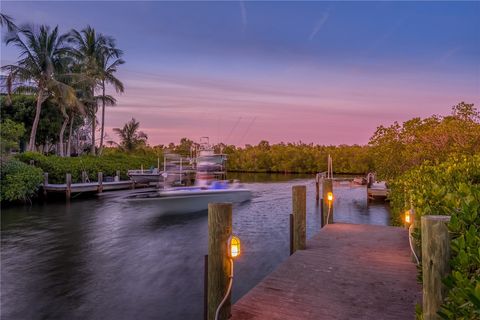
377, 193
347, 272
89, 186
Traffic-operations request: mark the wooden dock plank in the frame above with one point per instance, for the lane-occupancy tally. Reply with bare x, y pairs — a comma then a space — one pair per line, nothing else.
347, 272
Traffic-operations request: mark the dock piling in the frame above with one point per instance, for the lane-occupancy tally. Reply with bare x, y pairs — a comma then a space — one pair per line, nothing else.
68, 183
84, 176
291, 233
322, 217
205, 287
317, 187
326, 188
219, 230
45, 183
299, 211
435, 257
100, 182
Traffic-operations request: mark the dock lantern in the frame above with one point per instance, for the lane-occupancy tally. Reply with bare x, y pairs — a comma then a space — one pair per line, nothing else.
408, 217
233, 246
330, 197
233, 251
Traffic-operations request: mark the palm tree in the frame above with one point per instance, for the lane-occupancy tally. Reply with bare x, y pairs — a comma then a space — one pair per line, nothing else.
130, 137
99, 59
64, 108
43, 60
108, 67
89, 47
6, 20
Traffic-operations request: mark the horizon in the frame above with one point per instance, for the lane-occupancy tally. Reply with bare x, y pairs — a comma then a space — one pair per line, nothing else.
241, 72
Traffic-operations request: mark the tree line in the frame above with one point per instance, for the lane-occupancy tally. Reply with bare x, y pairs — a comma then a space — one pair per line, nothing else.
391, 150
65, 76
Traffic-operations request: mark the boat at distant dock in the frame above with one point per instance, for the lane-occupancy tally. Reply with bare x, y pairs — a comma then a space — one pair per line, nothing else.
178, 170
359, 181
209, 187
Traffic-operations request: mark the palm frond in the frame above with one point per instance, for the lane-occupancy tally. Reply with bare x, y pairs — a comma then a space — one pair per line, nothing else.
6, 20
25, 89
108, 99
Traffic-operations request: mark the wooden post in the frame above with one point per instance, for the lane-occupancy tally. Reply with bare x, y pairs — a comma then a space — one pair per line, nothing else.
322, 217
180, 175
291, 234
205, 287
100, 182
317, 187
299, 210
326, 188
45, 183
435, 267
219, 230
118, 175
68, 182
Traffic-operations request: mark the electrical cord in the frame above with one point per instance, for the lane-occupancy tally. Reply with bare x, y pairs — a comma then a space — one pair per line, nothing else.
411, 243
328, 213
230, 282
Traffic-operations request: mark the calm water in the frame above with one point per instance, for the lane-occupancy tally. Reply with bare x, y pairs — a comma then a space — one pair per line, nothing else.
107, 259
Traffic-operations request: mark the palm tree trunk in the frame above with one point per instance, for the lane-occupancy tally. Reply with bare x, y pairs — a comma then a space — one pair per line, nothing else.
94, 123
103, 118
92, 148
70, 132
62, 133
38, 110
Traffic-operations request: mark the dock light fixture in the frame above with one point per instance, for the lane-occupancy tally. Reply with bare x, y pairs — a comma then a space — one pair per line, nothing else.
233, 246
408, 217
330, 196
330, 201
233, 251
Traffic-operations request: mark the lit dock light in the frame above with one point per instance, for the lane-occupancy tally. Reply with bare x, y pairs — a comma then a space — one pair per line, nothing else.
408, 217
233, 247
330, 197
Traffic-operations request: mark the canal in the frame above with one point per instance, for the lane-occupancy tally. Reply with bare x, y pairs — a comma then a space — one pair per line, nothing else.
104, 258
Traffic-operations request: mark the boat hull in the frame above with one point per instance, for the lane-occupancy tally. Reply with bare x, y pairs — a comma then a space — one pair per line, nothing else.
190, 200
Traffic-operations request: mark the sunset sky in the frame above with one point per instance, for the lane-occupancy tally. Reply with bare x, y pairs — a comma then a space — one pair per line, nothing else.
241, 72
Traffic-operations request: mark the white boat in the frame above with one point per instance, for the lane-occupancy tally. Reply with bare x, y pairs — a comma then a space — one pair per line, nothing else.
190, 199
208, 189
178, 171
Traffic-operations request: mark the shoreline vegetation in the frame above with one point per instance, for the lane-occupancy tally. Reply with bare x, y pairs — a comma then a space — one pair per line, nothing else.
392, 151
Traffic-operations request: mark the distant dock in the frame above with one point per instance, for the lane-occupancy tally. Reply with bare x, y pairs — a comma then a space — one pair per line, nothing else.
89, 186
377, 193
68, 188
346, 272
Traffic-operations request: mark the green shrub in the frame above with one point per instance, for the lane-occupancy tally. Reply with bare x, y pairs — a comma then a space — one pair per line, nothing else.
450, 188
10, 134
19, 181
58, 167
